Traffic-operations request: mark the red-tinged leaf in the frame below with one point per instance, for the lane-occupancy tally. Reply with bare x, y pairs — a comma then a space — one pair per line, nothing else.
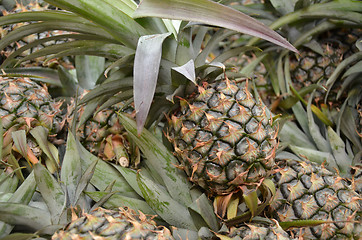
146, 67
211, 13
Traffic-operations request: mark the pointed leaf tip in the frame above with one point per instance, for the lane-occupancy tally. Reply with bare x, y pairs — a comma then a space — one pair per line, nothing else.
146, 67
210, 13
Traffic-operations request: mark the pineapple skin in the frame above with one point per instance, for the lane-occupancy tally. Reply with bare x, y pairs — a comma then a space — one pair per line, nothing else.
258, 231
223, 137
311, 67
25, 105
307, 191
110, 224
24, 101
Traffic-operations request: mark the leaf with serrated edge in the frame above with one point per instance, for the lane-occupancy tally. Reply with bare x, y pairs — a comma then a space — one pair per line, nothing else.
145, 73
20, 214
51, 192
71, 169
210, 13
164, 205
162, 159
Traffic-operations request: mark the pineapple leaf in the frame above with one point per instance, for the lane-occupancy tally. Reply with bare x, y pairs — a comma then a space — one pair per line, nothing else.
315, 156
251, 200
25, 191
40, 134
110, 87
106, 14
338, 149
145, 72
81, 47
22, 195
88, 69
204, 208
51, 192
210, 13
164, 205
284, 7
131, 177
20, 214
104, 174
291, 134
187, 70
69, 85
117, 200
40, 74
71, 169
19, 138
85, 179
8, 183
20, 236
161, 159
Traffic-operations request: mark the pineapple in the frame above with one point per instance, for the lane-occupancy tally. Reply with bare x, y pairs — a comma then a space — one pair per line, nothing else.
112, 32
26, 105
223, 137
103, 135
5, 30
307, 191
255, 231
311, 67
110, 224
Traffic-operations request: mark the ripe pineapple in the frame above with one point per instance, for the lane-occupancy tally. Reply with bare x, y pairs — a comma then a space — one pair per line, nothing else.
223, 137
24, 106
307, 191
110, 224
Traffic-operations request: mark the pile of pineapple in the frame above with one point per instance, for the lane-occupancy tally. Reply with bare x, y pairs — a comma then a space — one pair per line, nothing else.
192, 128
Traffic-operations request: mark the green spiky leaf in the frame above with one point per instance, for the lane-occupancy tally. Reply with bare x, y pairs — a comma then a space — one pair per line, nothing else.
210, 13
161, 159
71, 169
51, 192
146, 68
164, 205
20, 214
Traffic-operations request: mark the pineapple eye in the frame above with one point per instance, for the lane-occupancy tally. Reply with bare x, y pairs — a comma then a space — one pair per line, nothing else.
252, 126
213, 170
234, 169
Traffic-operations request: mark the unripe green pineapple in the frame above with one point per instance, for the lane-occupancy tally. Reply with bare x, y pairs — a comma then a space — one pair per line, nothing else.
108, 224
311, 67
24, 106
103, 135
307, 191
223, 137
